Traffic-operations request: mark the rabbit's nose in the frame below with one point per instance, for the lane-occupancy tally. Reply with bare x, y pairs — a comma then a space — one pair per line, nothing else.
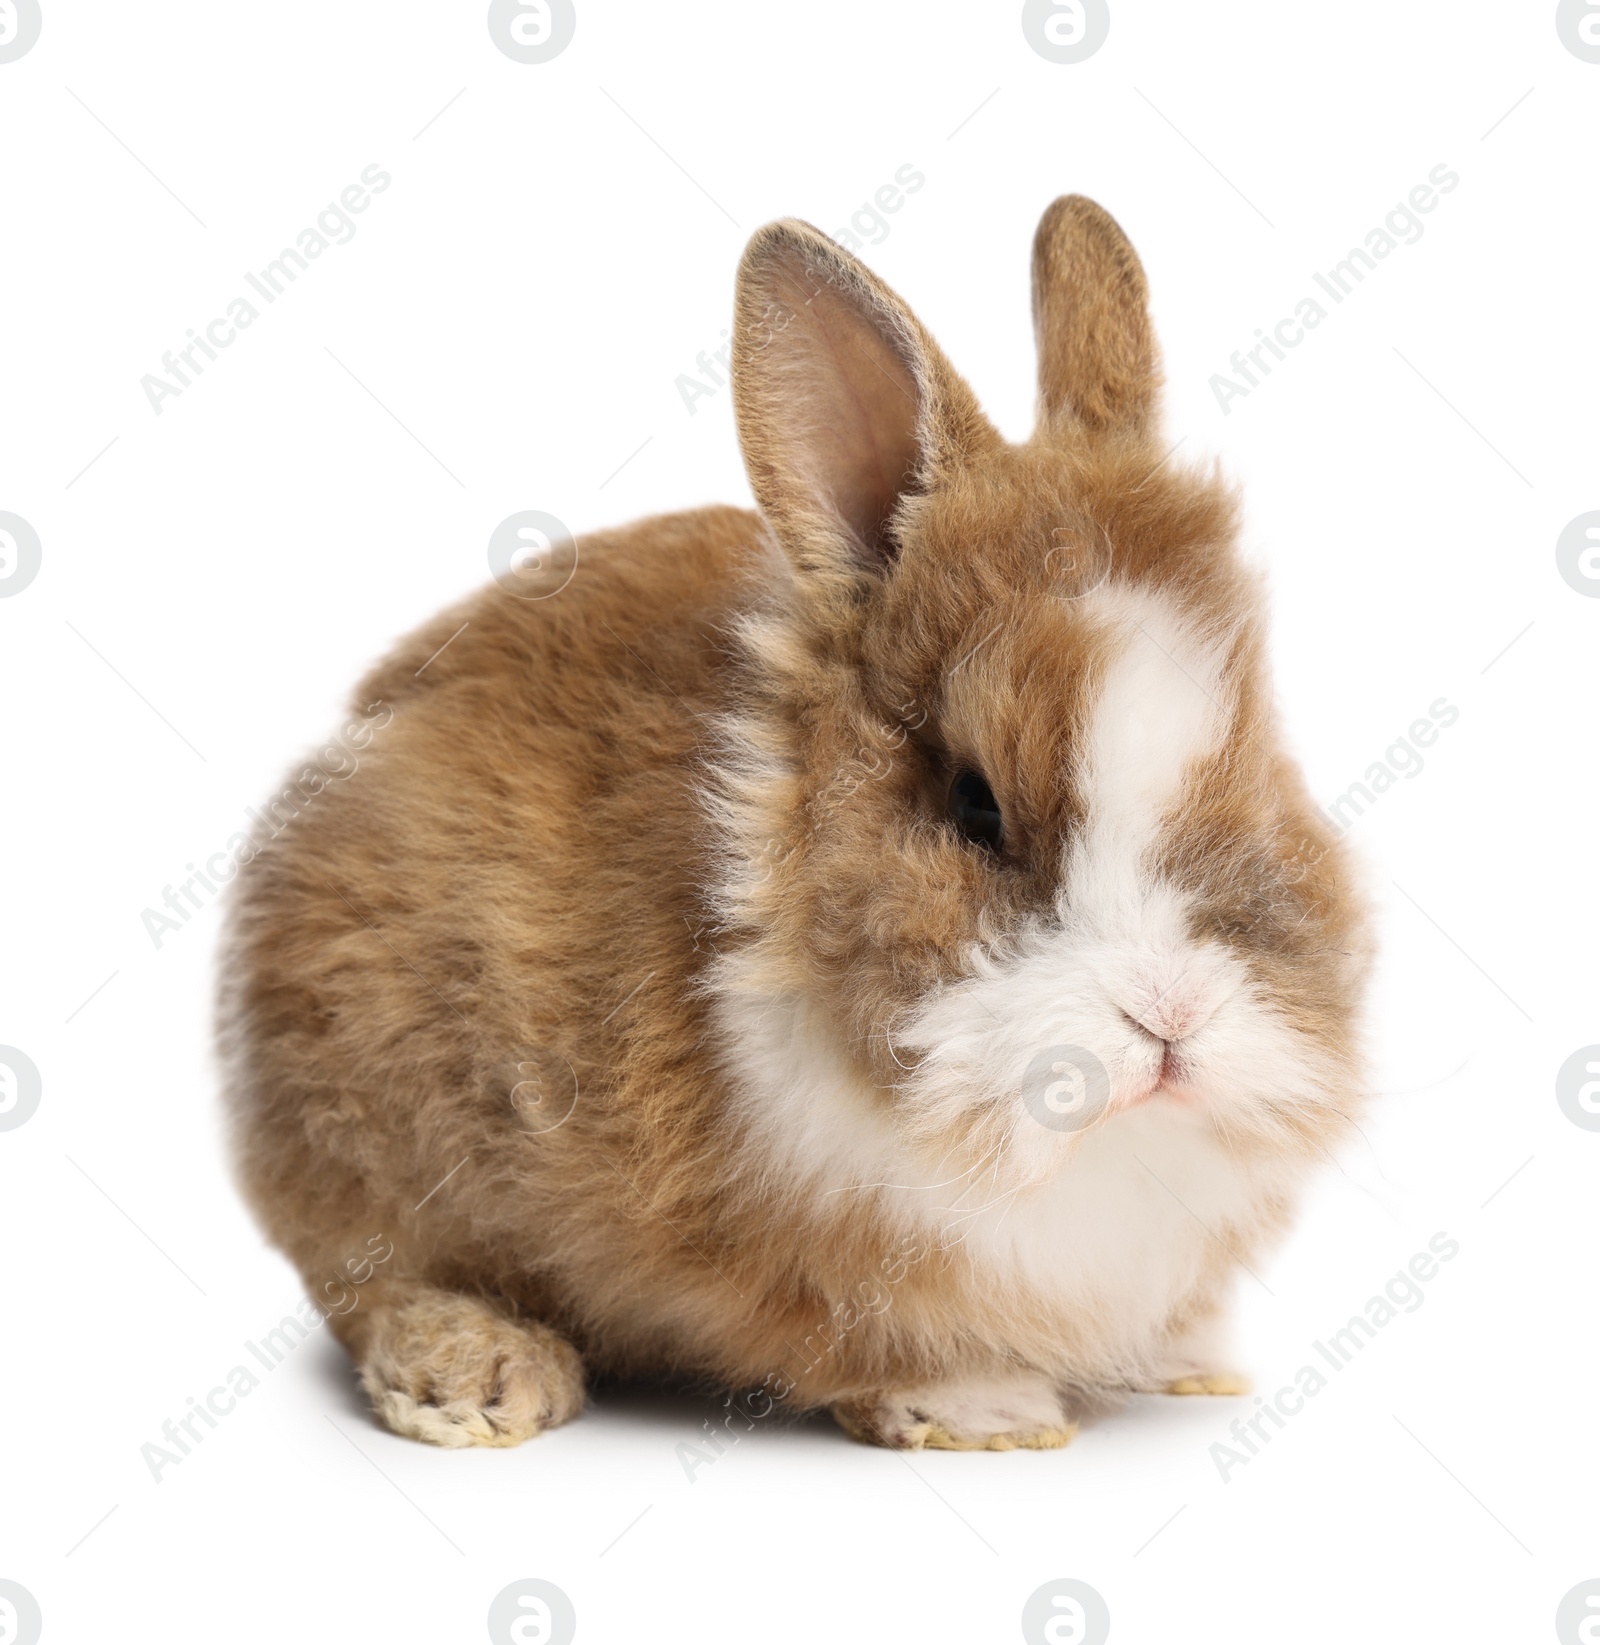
1168, 1017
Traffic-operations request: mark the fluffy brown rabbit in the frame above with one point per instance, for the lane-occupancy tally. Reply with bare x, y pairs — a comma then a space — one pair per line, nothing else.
873, 953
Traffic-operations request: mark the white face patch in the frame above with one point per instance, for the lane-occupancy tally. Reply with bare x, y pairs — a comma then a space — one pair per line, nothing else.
1163, 705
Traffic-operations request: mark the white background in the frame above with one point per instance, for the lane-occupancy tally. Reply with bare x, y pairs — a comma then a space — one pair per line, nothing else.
522, 300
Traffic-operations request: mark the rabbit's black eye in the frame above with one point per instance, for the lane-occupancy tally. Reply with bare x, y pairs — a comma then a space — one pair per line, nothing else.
975, 810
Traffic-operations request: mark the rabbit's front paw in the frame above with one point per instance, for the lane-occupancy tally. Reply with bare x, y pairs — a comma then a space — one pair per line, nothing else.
450, 1370
1009, 1412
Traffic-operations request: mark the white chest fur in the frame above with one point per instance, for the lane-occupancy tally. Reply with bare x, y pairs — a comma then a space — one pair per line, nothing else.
1115, 1240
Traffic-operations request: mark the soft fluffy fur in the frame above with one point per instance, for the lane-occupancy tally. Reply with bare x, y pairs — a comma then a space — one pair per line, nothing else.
640, 991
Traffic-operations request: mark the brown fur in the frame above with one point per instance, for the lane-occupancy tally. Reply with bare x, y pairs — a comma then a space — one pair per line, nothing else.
584, 806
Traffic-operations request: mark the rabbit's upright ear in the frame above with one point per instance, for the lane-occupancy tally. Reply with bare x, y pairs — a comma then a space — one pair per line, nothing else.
845, 405
1098, 368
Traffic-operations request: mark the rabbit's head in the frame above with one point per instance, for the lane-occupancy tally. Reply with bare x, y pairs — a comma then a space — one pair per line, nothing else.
1013, 840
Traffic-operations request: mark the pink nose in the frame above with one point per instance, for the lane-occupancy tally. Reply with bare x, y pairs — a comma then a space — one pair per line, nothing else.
1169, 1018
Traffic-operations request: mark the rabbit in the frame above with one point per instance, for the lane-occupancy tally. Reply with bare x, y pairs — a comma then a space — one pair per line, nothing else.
870, 954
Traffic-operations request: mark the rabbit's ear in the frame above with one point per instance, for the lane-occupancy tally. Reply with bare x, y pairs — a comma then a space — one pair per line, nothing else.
845, 405
1098, 368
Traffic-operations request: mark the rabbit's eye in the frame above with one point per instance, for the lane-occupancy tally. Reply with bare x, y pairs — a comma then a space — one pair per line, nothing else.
975, 811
